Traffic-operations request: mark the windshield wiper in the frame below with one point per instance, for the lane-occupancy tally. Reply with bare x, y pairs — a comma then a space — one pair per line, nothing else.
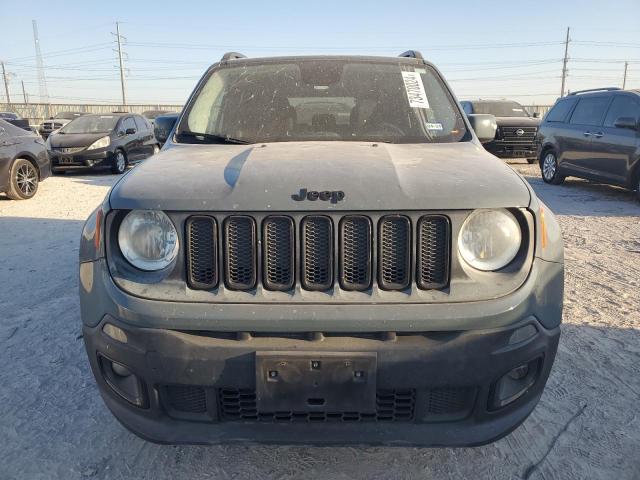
212, 138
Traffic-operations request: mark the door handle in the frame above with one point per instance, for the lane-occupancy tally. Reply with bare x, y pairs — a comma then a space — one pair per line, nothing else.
587, 134
598, 134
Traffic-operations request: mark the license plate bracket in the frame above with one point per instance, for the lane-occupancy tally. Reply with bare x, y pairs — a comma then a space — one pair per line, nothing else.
316, 381
66, 160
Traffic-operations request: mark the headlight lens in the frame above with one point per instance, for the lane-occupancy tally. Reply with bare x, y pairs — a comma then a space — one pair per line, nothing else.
100, 143
148, 239
489, 239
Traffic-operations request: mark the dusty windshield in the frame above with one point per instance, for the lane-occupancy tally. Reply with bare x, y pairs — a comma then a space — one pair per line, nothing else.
91, 124
500, 109
326, 99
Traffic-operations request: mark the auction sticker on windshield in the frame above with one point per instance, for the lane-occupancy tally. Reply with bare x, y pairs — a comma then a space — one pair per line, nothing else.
415, 90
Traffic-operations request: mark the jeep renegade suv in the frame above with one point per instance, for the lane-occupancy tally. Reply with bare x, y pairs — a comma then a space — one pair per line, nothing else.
335, 260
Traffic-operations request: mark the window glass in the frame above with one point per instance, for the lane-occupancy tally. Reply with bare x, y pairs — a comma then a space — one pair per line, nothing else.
129, 123
622, 106
467, 107
560, 110
500, 108
91, 124
590, 111
140, 123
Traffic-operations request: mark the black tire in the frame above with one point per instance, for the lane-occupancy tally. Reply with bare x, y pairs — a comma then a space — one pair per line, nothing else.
549, 168
23, 181
120, 163
531, 161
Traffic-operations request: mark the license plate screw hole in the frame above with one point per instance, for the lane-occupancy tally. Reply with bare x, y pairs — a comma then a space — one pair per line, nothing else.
316, 365
358, 374
273, 373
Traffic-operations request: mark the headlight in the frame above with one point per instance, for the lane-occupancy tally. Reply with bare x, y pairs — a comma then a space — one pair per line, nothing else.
148, 239
489, 239
101, 143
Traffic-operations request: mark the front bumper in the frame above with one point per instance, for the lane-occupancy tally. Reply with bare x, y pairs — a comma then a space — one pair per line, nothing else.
504, 149
199, 384
80, 160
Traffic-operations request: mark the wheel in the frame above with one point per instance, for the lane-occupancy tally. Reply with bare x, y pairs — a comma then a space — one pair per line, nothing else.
156, 149
119, 163
531, 161
23, 182
549, 169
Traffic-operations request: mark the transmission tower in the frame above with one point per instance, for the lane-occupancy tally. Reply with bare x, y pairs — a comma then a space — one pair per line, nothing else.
42, 81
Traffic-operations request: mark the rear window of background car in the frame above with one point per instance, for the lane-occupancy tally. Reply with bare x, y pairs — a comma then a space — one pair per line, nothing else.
622, 106
560, 110
590, 111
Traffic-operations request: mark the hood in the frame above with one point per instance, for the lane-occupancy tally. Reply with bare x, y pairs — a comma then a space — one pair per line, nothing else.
266, 177
61, 140
518, 121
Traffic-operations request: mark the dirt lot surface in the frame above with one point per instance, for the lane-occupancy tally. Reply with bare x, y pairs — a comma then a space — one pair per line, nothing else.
53, 423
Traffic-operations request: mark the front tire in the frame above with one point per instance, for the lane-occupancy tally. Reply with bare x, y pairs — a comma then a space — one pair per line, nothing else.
119, 163
23, 182
549, 169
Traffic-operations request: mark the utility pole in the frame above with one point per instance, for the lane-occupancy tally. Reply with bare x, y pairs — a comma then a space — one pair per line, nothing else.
624, 79
564, 63
6, 84
42, 81
24, 93
119, 38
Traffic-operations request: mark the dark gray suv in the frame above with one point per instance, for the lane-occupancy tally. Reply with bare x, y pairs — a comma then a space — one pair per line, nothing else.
593, 134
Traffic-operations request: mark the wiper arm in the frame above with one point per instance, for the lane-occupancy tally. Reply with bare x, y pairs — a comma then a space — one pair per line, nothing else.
213, 138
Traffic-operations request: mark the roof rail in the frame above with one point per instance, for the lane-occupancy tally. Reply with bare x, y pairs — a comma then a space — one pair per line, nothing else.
232, 56
412, 54
603, 89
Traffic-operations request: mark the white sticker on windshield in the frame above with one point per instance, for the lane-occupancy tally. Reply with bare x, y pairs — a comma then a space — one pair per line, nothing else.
415, 90
434, 126
517, 109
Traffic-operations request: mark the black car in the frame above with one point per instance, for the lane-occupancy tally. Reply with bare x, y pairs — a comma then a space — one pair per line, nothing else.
593, 134
163, 124
23, 161
516, 132
112, 140
56, 122
151, 115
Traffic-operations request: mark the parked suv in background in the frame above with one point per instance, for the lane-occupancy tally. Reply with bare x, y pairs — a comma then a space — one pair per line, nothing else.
516, 132
57, 122
112, 140
593, 134
337, 261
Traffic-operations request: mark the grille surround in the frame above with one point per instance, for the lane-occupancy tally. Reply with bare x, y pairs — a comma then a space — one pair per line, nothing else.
278, 253
240, 276
202, 271
316, 272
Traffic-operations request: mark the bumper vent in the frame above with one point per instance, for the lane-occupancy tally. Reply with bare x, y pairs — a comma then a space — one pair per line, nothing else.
355, 253
395, 252
278, 243
186, 398
391, 406
433, 252
317, 253
202, 256
240, 254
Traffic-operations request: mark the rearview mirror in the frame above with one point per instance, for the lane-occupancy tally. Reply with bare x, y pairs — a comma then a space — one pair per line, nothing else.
163, 126
626, 122
484, 125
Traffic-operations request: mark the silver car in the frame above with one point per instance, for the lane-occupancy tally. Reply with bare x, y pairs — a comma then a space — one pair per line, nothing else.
322, 253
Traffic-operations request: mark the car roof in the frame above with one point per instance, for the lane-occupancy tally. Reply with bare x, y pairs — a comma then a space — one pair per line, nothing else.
299, 58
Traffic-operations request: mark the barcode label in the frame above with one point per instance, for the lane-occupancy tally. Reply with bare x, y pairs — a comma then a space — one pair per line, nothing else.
415, 90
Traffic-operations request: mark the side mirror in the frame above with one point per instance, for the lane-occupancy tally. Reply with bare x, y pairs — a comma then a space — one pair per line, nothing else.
163, 126
484, 125
536, 114
626, 122
120, 133
130, 131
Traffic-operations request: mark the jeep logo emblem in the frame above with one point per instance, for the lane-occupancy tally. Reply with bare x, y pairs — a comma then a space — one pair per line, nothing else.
335, 196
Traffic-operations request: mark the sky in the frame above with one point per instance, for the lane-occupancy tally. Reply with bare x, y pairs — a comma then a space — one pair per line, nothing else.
485, 49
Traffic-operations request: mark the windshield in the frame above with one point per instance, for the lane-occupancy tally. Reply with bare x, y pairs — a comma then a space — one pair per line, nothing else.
91, 124
326, 99
500, 109
152, 114
67, 115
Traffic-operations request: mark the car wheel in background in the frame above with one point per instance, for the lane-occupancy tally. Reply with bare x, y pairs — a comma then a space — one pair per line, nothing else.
24, 180
119, 162
549, 168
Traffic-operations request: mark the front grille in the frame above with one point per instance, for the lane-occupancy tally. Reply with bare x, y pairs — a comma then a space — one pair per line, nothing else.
509, 134
68, 149
185, 398
363, 253
391, 406
317, 253
240, 255
395, 252
202, 259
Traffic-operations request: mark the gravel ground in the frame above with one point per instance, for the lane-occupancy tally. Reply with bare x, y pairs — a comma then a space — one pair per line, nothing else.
53, 423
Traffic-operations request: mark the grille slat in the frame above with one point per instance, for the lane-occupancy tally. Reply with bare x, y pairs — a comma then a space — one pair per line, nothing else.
202, 252
278, 253
240, 254
432, 268
355, 252
394, 246
317, 252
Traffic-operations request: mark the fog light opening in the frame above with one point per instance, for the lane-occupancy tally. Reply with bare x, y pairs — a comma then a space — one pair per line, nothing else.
514, 384
120, 370
519, 373
123, 381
